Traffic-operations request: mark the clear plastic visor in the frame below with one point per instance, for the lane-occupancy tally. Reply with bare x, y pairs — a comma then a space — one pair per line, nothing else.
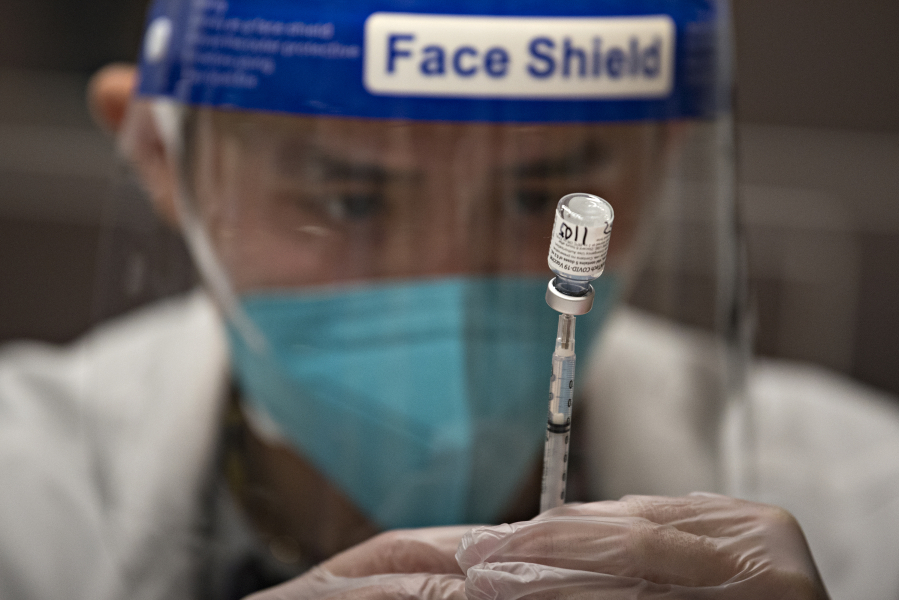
294, 202
383, 283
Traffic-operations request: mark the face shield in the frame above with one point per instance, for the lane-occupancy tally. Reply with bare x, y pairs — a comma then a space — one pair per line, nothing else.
368, 191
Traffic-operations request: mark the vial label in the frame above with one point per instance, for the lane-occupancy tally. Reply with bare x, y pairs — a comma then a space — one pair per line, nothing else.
578, 250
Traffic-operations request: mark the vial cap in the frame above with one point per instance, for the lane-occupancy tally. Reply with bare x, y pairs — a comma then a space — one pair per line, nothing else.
570, 305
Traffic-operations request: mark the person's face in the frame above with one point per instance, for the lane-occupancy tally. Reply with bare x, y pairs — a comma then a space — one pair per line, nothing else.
291, 202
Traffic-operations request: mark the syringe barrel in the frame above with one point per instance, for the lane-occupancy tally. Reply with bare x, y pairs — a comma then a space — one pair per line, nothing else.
558, 417
555, 471
580, 242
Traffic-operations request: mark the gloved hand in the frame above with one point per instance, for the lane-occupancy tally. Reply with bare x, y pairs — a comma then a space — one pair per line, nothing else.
700, 546
403, 564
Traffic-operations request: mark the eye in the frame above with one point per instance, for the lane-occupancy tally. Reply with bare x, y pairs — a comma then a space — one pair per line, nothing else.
532, 201
353, 206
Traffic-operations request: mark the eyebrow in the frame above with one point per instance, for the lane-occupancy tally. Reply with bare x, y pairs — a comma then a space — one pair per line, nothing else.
293, 160
351, 171
296, 159
590, 154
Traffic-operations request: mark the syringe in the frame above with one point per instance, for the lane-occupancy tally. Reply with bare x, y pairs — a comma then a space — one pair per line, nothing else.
577, 255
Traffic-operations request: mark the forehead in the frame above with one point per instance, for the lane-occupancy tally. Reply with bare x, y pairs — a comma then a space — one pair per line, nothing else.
403, 144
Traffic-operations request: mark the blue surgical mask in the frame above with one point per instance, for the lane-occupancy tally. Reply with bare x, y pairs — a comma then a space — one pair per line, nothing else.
423, 401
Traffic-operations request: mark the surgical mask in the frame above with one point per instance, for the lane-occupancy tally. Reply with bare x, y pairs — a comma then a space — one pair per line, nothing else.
422, 401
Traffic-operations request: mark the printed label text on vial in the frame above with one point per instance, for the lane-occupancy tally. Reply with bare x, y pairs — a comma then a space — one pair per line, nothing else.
578, 250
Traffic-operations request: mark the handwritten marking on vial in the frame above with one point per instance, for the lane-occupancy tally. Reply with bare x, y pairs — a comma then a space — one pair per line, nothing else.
565, 233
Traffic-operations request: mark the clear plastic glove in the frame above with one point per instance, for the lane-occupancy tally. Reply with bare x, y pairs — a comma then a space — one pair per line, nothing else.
701, 546
698, 546
404, 564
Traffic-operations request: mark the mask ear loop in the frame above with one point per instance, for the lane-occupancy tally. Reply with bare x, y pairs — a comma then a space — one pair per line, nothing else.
169, 118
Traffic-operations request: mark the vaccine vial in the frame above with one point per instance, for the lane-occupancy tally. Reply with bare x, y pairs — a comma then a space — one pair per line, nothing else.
580, 242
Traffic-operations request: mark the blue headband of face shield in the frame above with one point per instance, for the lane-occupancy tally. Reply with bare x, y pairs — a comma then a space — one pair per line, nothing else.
535, 61
424, 401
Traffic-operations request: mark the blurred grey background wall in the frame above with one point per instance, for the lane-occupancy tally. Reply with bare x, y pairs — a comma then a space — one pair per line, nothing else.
818, 158
55, 166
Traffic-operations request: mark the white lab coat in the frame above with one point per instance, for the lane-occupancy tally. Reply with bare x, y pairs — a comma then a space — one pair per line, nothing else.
106, 447
104, 451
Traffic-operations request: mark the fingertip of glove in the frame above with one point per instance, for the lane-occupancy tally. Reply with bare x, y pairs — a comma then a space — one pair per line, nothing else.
466, 549
478, 543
